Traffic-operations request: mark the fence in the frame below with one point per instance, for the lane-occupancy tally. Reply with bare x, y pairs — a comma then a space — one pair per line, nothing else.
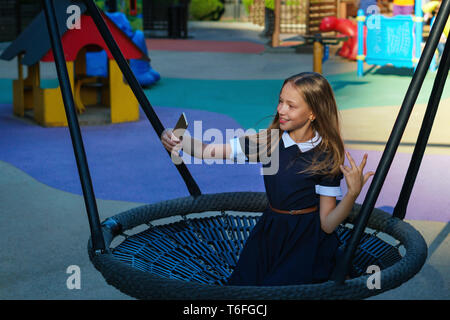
15, 15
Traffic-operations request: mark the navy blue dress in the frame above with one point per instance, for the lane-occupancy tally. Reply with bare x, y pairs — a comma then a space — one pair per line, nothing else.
285, 249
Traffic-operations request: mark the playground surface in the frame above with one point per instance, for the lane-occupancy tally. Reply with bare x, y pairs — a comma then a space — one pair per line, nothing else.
225, 76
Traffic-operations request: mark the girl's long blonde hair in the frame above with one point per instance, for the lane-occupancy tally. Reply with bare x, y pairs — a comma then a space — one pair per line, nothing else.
317, 93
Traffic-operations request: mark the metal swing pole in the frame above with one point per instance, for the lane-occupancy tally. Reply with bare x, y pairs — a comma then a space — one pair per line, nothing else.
343, 265
94, 12
98, 242
424, 134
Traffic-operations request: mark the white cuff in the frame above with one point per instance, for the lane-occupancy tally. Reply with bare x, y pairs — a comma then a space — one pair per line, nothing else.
328, 191
236, 150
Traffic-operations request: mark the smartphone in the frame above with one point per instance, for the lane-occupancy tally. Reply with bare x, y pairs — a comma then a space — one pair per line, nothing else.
181, 126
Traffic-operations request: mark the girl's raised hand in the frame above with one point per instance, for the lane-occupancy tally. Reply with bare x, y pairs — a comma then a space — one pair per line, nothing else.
354, 176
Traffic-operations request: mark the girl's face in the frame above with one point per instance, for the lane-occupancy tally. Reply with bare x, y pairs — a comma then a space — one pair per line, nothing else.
294, 113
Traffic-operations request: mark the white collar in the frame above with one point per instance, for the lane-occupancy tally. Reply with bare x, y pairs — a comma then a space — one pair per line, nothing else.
303, 146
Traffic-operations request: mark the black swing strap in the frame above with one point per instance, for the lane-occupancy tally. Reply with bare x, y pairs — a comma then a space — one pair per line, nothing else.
94, 12
98, 243
424, 134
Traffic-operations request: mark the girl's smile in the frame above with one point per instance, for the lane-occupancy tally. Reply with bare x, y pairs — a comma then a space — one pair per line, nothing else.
294, 113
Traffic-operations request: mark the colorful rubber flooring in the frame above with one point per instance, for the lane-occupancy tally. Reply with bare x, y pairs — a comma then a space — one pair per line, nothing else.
204, 46
128, 163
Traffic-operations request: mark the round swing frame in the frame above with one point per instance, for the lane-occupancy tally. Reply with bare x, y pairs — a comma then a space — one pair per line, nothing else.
145, 285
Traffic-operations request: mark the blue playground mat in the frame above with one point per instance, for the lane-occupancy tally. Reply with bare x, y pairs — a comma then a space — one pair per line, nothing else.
127, 161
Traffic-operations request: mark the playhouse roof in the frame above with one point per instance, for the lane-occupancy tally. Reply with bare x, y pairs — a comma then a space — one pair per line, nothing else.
34, 41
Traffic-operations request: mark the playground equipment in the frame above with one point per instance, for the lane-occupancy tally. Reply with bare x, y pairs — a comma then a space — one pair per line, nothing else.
320, 47
346, 27
318, 27
46, 104
300, 17
390, 40
187, 247
97, 62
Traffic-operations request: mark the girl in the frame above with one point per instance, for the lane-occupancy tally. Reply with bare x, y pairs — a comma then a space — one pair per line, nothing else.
294, 241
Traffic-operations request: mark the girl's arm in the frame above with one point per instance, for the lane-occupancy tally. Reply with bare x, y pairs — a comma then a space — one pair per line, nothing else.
195, 147
331, 215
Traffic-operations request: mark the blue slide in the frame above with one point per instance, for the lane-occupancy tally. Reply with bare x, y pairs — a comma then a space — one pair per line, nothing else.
96, 62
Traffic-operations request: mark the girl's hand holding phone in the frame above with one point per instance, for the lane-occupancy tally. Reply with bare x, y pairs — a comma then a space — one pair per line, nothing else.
170, 142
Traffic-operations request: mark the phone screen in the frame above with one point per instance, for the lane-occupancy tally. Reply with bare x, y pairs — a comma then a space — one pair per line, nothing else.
181, 126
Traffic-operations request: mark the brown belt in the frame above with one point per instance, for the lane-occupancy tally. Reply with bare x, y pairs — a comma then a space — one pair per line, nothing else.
301, 211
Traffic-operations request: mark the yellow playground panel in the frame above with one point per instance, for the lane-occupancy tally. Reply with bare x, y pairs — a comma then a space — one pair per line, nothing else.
47, 105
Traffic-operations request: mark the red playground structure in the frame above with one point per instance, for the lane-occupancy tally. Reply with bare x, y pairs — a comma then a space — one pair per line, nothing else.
349, 48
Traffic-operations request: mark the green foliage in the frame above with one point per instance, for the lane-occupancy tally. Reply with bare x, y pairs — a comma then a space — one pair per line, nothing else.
270, 4
100, 4
205, 9
136, 23
294, 2
247, 4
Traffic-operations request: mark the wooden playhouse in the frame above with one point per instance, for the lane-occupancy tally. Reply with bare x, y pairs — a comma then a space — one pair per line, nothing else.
45, 105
